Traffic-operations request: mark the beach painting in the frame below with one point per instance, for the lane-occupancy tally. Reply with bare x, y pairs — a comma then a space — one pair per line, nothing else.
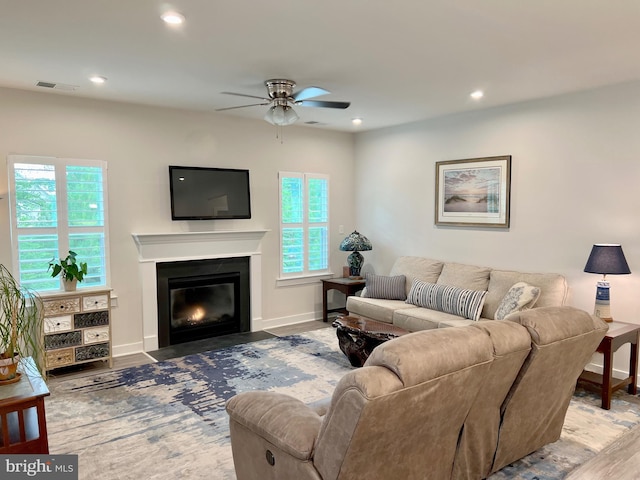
473, 192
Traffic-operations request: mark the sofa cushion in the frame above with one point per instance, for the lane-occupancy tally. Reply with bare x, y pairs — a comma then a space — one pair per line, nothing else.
447, 298
375, 308
380, 286
425, 269
553, 289
415, 319
469, 277
521, 296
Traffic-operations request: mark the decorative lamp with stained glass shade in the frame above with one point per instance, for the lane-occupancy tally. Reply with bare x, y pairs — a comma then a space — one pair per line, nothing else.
355, 243
606, 259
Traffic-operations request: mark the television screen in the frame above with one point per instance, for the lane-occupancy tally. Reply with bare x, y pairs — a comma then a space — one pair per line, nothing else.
199, 193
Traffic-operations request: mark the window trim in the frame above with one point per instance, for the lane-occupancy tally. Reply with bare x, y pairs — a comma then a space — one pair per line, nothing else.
61, 229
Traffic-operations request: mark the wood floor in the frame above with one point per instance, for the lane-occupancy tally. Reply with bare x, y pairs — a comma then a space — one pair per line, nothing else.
619, 461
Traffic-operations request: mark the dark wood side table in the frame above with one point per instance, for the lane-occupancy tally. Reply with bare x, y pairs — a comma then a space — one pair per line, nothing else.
23, 425
619, 333
345, 285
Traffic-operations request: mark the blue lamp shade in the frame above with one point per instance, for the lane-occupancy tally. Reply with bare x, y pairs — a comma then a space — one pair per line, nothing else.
607, 259
355, 242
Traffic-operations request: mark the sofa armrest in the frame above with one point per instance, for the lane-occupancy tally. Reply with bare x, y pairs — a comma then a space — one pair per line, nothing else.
280, 419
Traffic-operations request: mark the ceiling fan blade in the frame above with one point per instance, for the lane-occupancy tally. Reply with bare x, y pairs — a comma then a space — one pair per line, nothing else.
244, 95
309, 92
242, 106
321, 103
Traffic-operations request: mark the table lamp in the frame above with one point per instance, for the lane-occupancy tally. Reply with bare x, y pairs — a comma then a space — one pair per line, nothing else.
356, 243
605, 259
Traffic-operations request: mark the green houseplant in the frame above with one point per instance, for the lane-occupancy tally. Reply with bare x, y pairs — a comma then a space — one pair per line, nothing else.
21, 317
72, 271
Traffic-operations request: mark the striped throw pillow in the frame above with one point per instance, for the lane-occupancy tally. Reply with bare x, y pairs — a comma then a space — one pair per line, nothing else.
448, 299
388, 288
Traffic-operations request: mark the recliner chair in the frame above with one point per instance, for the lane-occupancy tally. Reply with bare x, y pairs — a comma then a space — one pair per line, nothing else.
423, 404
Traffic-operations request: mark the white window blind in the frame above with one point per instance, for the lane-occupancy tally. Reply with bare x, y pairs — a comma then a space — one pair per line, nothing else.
57, 205
304, 224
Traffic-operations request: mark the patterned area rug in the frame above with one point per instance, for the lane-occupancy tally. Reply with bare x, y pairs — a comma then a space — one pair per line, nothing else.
167, 420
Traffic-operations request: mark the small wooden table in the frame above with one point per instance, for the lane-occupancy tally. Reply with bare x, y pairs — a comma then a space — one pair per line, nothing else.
23, 425
358, 336
619, 333
347, 286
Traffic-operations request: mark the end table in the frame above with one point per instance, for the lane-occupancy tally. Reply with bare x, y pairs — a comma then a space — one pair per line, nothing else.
618, 334
22, 416
345, 285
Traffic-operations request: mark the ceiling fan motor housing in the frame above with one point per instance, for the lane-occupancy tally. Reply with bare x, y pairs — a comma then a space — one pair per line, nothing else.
278, 88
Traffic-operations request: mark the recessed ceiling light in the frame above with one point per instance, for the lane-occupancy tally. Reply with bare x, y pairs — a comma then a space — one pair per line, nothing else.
477, 95
98, 79
357, 121
173, 18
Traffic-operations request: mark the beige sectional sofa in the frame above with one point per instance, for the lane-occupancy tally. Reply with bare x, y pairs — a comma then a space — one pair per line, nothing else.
497, 283
440, 404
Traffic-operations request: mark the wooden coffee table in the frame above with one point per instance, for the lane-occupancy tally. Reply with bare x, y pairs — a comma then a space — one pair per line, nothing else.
358, 336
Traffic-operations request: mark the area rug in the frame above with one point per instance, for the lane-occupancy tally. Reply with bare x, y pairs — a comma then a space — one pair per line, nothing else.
167, 420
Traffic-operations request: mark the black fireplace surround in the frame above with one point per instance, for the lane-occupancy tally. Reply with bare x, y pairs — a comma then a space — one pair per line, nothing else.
202, 298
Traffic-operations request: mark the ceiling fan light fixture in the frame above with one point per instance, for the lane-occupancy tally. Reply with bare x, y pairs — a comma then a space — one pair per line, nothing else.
281, 115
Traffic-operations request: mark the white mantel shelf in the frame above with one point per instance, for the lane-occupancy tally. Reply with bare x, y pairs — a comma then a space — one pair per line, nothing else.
154, 248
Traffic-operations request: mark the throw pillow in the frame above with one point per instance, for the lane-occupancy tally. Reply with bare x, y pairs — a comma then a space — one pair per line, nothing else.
446, 298
520, 296
388, 288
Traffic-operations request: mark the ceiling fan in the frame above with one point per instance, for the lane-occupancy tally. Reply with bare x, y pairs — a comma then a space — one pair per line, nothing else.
281, 98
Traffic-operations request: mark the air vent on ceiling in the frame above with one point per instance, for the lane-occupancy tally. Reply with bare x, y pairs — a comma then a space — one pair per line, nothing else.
313, 122
57, 86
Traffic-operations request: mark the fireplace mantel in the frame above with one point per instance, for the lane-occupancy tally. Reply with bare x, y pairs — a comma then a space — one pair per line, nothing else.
154, 248
174, 245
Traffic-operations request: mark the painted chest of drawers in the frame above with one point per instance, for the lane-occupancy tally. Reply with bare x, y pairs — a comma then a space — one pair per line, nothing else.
77, 327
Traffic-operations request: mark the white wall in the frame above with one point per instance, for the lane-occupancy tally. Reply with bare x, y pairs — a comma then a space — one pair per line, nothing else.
575, 182
139, 142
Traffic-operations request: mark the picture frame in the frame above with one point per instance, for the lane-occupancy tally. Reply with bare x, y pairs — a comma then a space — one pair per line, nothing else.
474, 192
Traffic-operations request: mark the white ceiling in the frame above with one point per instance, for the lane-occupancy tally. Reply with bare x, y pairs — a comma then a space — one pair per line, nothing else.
396, 61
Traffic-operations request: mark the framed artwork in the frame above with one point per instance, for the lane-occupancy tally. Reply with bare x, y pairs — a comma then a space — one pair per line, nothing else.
473, 192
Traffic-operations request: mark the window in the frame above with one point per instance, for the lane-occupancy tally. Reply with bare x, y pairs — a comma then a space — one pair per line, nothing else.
304, 224
57, 205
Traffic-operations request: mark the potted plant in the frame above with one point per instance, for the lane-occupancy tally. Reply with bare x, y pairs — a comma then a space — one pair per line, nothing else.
21, 317
72, 271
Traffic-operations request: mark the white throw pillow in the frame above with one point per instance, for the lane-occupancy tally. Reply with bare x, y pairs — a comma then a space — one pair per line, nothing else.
520, 296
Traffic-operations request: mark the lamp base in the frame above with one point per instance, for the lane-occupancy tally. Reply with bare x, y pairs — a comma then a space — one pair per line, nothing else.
355, 261
602, 307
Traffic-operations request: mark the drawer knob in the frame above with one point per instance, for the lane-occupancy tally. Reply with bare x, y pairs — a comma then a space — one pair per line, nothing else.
61, 307
58, 324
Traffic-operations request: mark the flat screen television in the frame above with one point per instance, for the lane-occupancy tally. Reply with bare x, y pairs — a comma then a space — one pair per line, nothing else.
201, 193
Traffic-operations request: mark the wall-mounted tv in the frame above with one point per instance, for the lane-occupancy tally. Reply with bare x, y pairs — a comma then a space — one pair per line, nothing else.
200, 193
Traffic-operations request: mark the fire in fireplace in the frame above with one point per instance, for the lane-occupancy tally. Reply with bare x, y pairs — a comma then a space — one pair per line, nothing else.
202, 298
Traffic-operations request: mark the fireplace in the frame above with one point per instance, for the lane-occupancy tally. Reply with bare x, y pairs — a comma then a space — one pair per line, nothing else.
168, 247
200, 299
